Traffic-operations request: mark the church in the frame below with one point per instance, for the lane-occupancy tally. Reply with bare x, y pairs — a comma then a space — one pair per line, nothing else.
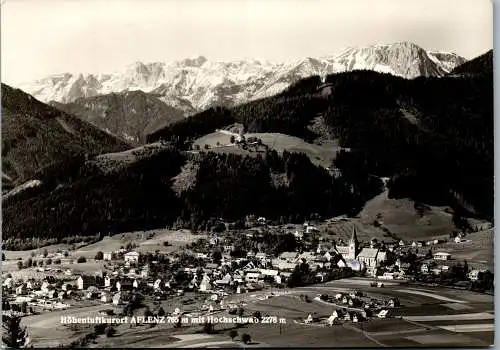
360, 259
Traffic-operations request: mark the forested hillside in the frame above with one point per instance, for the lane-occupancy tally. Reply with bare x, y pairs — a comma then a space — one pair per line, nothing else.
438, 132
35, 135
479, 65
77, 198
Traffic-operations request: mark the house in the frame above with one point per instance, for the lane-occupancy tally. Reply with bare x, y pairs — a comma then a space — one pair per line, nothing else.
52, 294
286, 266
22, 289
85, 281
157, 284
205, 284
306, 256
381, 257
298, 235
105, 297
109, 281
270, 273
226, 280
202, 255
117, 298
92, 293
125, 284
289, 256
253, 277
145, 271
45, 287
424, 268
67, 287
212, 266
368, 256
442, 256
473, 275
107, 256
261, 256
8, 282
131, 257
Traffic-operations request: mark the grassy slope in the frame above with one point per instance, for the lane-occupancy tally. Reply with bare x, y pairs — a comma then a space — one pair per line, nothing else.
401, 218
319, 154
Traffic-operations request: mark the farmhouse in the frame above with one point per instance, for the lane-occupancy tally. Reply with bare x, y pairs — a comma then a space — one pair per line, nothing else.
107, 256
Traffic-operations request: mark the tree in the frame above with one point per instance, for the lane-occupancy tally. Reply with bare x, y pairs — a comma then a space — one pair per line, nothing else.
3, 256
258, 315
24, 307
48, 262
240, 312
99, 256
30, 262
208, 327
45, 253
246, 338
232, 334
110, 331
81, 260
429, 254
20, 265
232, 139
217, 256
147, 312
14, 335
100, 328
161, 312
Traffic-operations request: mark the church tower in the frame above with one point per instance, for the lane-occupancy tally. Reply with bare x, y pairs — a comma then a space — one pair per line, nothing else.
353, 244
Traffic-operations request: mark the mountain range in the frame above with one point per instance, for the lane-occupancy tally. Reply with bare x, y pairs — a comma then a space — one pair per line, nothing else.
197, 83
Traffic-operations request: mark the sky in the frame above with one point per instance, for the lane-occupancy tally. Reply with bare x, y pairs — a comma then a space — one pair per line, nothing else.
44, 37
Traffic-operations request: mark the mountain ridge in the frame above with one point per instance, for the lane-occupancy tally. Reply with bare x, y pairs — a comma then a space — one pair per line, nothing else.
130, 115
196, 83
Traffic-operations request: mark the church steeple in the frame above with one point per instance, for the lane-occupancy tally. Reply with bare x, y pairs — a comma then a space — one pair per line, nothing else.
353, 244
354, 236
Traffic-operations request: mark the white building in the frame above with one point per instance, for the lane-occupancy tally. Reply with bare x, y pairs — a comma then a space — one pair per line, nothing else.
107, 256
132, 257
442, 256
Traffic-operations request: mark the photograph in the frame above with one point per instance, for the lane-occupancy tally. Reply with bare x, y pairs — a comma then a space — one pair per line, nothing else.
247, 174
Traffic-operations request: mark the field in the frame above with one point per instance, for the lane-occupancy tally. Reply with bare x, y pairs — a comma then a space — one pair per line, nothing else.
319, 154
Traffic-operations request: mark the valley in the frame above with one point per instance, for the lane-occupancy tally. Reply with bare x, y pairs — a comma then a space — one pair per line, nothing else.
319, 202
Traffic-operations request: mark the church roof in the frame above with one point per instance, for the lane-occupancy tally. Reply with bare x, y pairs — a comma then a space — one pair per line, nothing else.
368, 253
354, 236
343, 249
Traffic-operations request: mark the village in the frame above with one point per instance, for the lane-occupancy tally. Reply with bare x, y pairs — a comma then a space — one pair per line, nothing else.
219, 273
